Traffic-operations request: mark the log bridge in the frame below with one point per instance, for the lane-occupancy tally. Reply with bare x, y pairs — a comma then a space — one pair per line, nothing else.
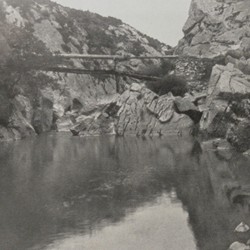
115, 58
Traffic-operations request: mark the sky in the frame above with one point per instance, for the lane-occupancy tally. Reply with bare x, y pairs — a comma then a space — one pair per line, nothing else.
160, 19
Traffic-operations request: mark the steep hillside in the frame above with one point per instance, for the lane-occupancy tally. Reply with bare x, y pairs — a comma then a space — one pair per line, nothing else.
30, 32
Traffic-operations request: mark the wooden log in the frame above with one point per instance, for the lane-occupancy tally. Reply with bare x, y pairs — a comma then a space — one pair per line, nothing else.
113, 57
101, 72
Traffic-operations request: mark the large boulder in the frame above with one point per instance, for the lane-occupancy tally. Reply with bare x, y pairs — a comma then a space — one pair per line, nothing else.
187, 106
142, 112
227, 80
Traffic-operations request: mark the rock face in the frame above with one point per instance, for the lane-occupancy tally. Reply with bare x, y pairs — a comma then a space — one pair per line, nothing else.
144, 113
216, 26
138, 111
221, 29
226, 112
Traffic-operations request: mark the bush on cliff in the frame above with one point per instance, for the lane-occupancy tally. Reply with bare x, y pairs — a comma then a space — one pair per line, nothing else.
169, 83
136, 49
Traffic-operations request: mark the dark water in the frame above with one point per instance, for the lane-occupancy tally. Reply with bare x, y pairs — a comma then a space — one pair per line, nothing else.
59, 192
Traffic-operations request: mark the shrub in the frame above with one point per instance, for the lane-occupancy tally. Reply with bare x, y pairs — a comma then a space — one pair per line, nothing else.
98, 39
136, 49
169, 83
66, 48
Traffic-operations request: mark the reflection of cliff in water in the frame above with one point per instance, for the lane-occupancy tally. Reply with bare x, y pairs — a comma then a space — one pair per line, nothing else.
55, 184
204, 185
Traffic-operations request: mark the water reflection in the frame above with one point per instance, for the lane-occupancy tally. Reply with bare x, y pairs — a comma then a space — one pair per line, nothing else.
63, 192
161, 225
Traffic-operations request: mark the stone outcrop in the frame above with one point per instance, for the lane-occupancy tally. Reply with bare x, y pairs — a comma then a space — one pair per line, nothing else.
215, 27
142, 112
138, 111
226, 112
220, 29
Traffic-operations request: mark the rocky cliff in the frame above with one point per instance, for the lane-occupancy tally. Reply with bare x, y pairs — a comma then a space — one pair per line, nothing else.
221, 28
36, 101
215, 27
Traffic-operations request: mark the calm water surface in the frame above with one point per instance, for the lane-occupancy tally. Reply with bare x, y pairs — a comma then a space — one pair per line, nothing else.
59, 192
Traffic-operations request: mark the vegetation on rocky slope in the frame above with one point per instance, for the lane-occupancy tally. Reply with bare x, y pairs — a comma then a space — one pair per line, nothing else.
34, 30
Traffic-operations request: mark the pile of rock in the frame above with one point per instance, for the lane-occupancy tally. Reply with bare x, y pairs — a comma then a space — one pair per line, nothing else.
138, 111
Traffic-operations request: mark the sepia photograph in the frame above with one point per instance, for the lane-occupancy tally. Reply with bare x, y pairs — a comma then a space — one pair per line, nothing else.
124, 125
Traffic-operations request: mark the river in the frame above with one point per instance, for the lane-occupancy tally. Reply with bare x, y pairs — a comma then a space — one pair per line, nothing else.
59, 192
